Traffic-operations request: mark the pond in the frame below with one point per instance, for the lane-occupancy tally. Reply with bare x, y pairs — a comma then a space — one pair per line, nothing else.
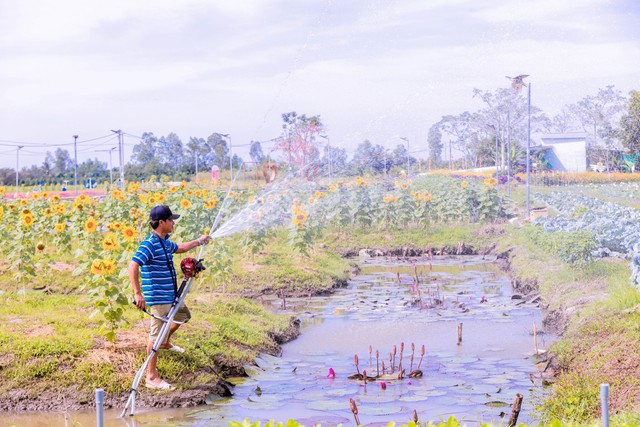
383, 308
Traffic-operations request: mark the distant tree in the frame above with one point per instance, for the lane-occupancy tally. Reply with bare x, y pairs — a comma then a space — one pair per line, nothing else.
94, 169
7, 176
563, 122
339, 159
197, 149
170, 151
630, 124
145, 151
255, 152
48, 165
219, 150
63, 163
299, 142
434, 140
595, 113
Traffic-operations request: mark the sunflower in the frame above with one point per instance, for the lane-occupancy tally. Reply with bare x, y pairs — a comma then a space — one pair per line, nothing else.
35, 196
185, 204
26, 211
59, 227
97, 267
23, 202
48, 212
110, 266
2, 191
45, 194
427, 197
464, 184
115, 226
130, 234
110, 242
27, 220
1, 211
300, 218
91, 225
143, 198
173, 189
212, 202
40, 247
55, 198
60, 208
183, 185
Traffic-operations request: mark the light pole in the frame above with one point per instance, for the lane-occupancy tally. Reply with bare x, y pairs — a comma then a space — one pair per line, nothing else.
110, 167
121, 155
408, 156
75, 162
20, 147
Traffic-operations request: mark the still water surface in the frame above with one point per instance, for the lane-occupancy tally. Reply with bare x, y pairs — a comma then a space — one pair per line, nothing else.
475, 380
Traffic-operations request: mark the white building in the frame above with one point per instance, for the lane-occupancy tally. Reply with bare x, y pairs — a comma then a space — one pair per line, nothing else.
567, 152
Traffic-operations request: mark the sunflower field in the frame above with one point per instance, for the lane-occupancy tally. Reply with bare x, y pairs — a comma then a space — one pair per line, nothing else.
96, 236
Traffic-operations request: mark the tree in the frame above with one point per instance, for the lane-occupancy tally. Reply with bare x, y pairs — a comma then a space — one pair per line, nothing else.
630, 124
170, 151
300, 140
219, 150
371, 158
63, 163
255, 152
597, 112
145, 150
339, 159
434, 141
197, 153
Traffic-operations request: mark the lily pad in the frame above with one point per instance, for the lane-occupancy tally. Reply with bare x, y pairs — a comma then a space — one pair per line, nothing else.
329, 405
380, 409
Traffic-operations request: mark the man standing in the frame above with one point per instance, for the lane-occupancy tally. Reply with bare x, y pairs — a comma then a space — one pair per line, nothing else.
159, 283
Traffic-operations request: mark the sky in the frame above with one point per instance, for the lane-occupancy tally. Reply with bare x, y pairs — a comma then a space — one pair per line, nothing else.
377, 69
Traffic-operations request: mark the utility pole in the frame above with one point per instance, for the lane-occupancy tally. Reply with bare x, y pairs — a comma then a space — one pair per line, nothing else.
121, 156
20, 147
75, 162
110, 167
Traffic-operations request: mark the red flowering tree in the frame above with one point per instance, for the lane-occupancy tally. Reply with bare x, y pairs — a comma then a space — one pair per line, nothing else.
300, 141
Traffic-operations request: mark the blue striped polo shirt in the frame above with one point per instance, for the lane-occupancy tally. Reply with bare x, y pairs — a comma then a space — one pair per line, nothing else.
157, 280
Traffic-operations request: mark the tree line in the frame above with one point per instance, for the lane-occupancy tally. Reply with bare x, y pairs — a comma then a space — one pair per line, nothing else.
610, 121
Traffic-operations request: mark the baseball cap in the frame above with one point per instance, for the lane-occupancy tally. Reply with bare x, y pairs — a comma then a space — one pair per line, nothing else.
162, 212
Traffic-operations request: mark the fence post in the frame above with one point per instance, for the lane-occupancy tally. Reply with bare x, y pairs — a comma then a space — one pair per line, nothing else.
99, 407
604, 402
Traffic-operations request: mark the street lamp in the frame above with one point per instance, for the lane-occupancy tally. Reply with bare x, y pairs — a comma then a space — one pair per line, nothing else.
75, 162
408, 156
517, 83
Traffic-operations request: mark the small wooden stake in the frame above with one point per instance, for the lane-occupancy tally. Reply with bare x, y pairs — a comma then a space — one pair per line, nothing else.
515, 410
459, 333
